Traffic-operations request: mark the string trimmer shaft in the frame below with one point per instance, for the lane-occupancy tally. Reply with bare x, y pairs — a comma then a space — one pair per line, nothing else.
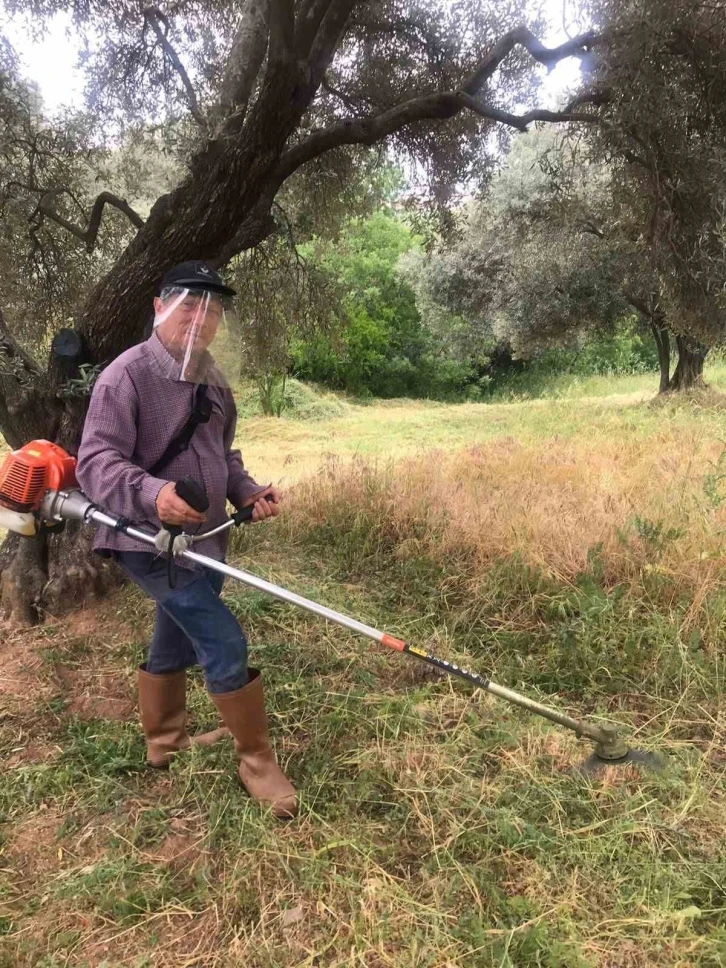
609, 745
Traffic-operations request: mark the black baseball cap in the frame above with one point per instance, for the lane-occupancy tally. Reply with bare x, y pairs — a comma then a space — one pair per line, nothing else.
196, 275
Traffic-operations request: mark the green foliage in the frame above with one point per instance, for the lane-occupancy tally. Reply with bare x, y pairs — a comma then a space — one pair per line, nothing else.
553, 258
82, 385
626, 352
379, 346
655, 535
301, 401
713, 482
666, 146
289, 298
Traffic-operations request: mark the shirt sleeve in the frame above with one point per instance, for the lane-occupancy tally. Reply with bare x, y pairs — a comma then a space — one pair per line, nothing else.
240, 484
105, 470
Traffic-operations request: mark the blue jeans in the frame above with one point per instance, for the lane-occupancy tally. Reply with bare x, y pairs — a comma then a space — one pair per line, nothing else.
193, 625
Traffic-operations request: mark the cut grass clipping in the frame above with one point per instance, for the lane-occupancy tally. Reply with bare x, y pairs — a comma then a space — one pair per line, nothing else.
577, 557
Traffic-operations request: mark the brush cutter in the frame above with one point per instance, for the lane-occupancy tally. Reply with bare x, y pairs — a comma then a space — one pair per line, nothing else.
38, 491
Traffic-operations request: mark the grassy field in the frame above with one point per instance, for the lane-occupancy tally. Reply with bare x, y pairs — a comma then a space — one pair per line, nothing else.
571, 548
289, 449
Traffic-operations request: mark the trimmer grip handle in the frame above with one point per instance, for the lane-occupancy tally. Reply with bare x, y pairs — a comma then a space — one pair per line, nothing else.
193, 493
245, 514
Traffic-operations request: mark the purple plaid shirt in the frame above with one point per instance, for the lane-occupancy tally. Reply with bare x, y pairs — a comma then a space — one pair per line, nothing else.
135, 412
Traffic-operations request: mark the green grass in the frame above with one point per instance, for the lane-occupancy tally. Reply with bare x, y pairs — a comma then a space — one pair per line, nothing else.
286, 450
568, 386
439, 827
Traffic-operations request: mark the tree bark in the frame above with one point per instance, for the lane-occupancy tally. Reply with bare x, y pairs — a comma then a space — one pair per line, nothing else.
663, 345
73, 572
688, 374
648, 307
22, 583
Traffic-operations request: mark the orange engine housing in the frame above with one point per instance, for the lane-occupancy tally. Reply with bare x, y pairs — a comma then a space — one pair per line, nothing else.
26, 474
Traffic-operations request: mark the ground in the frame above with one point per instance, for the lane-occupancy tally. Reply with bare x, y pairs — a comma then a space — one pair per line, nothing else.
570, 548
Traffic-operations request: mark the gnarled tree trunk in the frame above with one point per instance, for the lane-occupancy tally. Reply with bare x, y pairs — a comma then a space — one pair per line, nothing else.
663, 346
688, 373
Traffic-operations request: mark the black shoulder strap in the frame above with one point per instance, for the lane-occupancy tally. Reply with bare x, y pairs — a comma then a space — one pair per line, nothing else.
201, 412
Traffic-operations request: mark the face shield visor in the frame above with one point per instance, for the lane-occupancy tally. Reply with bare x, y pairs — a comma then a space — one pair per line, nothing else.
197, 328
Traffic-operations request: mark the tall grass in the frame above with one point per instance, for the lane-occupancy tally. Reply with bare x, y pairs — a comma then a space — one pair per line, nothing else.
636, 505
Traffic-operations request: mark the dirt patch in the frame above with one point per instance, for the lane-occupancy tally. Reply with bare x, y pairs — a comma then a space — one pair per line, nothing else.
182, 848
96, 696
101, 707
35, 850
33, 847
99, 622
21, 668
24, 674
32, 753
180, 851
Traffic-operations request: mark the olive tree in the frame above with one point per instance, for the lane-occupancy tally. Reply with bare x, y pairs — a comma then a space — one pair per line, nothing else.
253, 96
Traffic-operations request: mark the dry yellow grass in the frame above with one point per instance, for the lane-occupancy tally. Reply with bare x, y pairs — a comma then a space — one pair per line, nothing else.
287, 450
550, 502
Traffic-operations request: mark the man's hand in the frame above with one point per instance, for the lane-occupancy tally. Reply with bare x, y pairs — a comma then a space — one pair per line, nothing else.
266, 504
172, 510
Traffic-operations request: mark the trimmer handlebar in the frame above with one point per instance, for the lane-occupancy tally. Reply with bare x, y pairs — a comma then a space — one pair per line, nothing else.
72, 505
193, 493
244, 514
195, 496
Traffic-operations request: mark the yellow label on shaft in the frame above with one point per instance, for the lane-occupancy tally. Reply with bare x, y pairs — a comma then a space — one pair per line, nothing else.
421, 652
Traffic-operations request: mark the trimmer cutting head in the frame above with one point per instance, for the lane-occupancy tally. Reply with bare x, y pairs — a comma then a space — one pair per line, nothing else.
612, 750
595, 763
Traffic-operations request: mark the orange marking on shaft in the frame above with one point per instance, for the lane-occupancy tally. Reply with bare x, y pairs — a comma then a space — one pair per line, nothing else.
393, 643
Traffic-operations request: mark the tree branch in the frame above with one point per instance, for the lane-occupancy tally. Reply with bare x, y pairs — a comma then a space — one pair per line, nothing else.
308, 23
21, 378
258, 225
598, 98
243, 64
327, 38
90, 233
282, 29
590, 228
650, 307
519, 121
427, 107
10, 348
340, 95
524, 36
442, 105
155, 18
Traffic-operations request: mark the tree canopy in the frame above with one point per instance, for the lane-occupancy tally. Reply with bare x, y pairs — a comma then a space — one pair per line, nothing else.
660, 89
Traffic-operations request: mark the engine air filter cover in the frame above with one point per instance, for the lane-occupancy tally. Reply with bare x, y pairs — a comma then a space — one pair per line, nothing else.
26, 474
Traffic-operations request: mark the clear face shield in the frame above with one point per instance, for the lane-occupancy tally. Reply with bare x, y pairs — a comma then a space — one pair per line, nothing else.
197, 329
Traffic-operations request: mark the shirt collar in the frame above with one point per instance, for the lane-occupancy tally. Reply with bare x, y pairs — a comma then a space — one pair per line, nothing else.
164, 361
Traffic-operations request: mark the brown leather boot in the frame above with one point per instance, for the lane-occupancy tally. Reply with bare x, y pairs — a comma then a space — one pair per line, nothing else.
244, 712
162, 702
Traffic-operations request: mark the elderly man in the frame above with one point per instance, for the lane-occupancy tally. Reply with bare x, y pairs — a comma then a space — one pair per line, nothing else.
160, 412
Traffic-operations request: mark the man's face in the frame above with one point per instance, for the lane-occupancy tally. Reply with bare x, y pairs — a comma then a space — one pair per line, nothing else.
190, 321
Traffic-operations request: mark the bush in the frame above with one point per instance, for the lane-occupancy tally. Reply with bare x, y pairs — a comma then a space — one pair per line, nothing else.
301, 402
627, 352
